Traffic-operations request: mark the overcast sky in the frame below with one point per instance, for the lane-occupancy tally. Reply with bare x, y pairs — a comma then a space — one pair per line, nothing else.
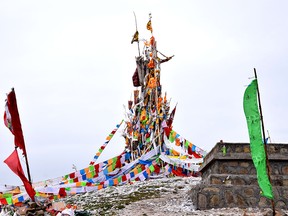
71, 64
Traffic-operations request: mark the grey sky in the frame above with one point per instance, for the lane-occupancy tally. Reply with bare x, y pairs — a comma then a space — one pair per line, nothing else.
71, 64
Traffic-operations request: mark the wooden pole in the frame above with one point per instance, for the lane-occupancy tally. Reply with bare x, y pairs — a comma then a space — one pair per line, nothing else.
28, 169
264, 139
25, 155
137, 31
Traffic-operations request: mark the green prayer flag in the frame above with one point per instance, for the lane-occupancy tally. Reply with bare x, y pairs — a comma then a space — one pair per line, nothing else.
151, 167
9, 200
93, 174
139, 169
186, 144
7, 195
258, 154
91, 168
172, 136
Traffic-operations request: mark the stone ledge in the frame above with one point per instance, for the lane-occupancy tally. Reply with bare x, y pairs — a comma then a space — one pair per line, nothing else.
241, 151
241, 196
228, 179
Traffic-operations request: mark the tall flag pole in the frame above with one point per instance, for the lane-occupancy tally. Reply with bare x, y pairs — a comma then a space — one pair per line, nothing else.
254, 119
13, 123
265, 141
136, 35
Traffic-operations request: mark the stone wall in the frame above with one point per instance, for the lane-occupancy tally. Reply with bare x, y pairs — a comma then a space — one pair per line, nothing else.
244, 196
229, 179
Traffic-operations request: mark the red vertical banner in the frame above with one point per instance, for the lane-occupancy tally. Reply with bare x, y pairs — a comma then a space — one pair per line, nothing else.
12, 120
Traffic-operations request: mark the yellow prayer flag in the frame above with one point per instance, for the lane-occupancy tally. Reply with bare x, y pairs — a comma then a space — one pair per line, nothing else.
149, 26
15, 200
110, 169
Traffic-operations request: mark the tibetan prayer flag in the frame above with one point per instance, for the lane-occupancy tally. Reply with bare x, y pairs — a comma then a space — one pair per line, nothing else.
258, 153
124, 178
14, 164
149, 26
171, 117
151, 167
12, 120
135, 37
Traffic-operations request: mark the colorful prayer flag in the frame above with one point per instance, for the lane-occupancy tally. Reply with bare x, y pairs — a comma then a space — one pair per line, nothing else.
258, 154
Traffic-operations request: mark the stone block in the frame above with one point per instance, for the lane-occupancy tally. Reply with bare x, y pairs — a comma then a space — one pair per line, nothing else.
246, 149
285, 170
202, 201
239, 181
211, 189
245, 164
249, 192
215, 180
285, 182
238, 149
240, 201
228, 195
271, 149
214, 201
283, 151
264, 202
280, 204
243, 171
232, 164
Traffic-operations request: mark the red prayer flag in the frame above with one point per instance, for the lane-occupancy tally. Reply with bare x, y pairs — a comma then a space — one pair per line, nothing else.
14, 164
3, 201
12, 120
171, 118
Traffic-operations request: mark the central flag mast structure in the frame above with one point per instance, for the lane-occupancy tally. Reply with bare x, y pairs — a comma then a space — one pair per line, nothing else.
152, 147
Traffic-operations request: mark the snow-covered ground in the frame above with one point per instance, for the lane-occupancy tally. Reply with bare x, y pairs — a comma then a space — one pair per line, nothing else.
159, 197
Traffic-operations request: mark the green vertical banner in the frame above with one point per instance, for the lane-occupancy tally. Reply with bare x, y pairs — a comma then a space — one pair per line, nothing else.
250, 104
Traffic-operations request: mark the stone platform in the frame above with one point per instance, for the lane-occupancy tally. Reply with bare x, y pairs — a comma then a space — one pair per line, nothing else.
229, 180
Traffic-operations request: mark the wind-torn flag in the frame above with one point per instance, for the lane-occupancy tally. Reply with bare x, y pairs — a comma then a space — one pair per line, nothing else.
14, 164
135, 37
258, 154
149, 26
171, 118
12, 120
